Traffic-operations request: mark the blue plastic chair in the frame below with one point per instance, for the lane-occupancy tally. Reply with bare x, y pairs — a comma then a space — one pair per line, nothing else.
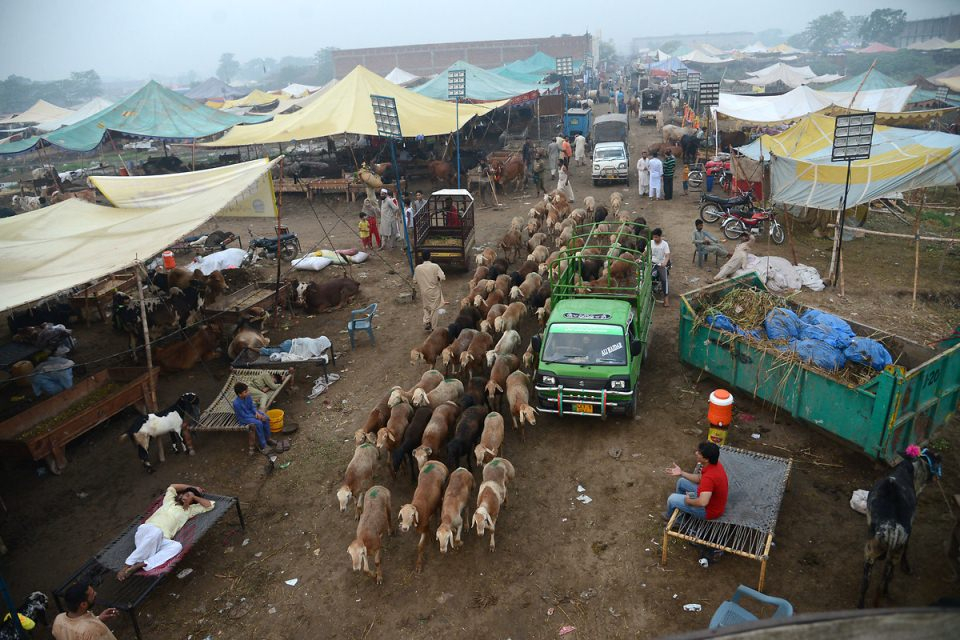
731, 613
362, 320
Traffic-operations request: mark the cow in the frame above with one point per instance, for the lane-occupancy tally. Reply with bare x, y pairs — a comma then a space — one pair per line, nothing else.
126, 318
326, 296
211, 286
53, 312
513, 170
441, 172
184, 355
689, 145
673, 133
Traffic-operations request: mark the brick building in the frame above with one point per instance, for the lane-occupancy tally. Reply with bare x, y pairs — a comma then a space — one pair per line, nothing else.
946, 28
430, 59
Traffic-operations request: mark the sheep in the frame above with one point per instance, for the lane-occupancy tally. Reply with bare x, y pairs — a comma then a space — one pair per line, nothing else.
516, 223
436, 432
426, 499
466, 436
528, 267
392, 434
511, 243
533, 224
411, 440
491, 440
518, 396
530, 357
539, 254
543, 313
489, 499
510, 319
478, 275
589, 204
450, 357
474, 393
561, 204
488, 325
616, 201
482, 288
374, 522
455, 499
484, 304
531, 283
358, 477
508, 343
468, 318
376, 420
173, 420
535, 241
564, 237
503, 283
446, 391
486, 257
428, 382
474, 357
499, 470
503, 366
430, 350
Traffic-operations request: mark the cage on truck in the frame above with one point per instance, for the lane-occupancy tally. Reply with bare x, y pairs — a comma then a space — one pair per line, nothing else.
596, 338
444, 226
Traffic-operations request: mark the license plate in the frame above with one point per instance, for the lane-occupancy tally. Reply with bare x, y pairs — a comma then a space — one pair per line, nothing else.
583, 408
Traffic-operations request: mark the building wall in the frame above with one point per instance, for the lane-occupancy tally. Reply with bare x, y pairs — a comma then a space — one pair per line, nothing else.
947, 28
721, 40
429, 59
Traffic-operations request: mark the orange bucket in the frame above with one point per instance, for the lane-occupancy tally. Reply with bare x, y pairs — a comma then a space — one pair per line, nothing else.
169, 262
720, 411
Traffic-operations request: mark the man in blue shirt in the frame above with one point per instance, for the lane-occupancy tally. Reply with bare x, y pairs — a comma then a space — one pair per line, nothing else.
248, 414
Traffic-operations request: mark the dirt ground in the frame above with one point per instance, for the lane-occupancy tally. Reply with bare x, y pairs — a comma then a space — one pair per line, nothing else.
558, 562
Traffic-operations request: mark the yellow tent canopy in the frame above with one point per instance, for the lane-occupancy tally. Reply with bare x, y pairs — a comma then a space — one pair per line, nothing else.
346, 108
255, 98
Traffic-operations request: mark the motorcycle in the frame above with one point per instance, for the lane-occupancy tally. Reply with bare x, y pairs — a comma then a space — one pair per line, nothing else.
289, 245
713, 208
753, 222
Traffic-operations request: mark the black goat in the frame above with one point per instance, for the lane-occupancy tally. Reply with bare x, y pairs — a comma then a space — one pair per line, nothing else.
411, 440
467, 436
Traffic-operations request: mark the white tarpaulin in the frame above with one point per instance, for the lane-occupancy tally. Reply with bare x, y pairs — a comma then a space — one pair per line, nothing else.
777, 67
83, 112
802, 101
400, 77
49, 250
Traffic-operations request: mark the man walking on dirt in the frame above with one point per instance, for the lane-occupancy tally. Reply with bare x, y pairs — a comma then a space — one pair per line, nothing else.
553, 157
580, 149
527, 155
669, 166
428, 277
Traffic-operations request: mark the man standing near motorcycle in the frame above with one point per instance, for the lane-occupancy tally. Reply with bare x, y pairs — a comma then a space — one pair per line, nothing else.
660, 256
389, 219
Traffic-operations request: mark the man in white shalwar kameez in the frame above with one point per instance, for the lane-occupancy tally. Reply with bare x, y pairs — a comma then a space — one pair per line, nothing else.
643, 173
428, 277
580, 149
563, 183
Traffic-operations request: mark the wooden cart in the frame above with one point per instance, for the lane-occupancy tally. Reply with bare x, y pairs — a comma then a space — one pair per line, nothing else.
99, 295
228, 309
445, 227
40, 434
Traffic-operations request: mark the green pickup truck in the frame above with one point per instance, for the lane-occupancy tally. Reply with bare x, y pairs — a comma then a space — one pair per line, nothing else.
596, 338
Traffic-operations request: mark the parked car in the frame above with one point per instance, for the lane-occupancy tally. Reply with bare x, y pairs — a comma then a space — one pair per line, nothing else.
611, 163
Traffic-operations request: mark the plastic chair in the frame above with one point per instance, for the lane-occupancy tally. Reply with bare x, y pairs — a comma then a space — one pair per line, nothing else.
731, 613
699, 255
362, 320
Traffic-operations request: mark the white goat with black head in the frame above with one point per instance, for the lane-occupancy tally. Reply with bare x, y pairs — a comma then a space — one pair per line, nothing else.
174, 420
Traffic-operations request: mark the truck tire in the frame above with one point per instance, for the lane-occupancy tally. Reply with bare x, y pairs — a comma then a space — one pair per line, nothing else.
632, 407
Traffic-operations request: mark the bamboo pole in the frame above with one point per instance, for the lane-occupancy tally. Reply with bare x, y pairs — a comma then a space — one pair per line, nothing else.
916, 250
902, 235
146, 339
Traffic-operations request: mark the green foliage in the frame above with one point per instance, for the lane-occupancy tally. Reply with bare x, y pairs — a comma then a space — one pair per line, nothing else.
826, 31
854, 25
17, 93
903, 65
883, 25
324, 59
228, 68
670, 46
608, 50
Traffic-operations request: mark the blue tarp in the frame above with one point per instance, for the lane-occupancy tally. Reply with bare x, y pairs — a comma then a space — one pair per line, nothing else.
670, 64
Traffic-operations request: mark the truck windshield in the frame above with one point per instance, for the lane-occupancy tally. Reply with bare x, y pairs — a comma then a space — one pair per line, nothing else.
590, 344
612, 153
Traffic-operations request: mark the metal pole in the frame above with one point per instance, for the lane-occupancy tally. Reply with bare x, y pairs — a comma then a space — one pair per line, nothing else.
403, 213
838, 240
14, 615
458, 147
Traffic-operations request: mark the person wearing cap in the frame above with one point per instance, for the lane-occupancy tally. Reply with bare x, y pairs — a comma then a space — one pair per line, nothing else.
389, 219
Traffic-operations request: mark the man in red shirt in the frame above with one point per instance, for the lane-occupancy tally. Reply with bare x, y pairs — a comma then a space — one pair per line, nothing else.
702, 494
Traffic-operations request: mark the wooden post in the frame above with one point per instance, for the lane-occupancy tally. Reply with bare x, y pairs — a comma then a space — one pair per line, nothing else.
916, 250
793, 249
146, 338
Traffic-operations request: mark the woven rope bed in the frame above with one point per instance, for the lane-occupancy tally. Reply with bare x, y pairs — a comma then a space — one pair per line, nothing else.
219, 416
100, 570
746, 528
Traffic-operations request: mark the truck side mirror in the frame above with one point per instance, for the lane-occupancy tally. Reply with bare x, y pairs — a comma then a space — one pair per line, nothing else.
537, 342
635, 348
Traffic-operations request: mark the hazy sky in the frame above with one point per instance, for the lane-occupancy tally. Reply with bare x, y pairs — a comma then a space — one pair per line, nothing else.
132, 39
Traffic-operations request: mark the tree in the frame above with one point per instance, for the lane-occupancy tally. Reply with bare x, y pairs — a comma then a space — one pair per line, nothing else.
670, 46
826, 31
608, 50
854, 24
324, 59
228, 67
883, 25
84, 85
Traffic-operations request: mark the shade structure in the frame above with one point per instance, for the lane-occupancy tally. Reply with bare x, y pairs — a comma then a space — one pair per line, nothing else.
285, 104
40, 111
346, 109
803, 174
213, 88
481, 85
949, 78
297, 90
255, 98
401, 77
933, 44
699, 57
151, 112
789, 76
670, 64
803, 100
877, 47
70, 243
874, 81
756, 47
84, 111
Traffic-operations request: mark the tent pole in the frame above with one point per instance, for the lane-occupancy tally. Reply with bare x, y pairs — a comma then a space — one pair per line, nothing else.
403, 213
193, 155
146, 335
916, 250
838, 231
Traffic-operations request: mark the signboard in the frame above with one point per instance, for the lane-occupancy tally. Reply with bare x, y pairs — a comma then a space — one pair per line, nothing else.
681, 75
456, 83
853, 137
565, 66
942, 93
693, 81
386, 117
709, 94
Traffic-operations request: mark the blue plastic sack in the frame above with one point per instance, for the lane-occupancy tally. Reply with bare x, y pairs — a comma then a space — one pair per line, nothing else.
839, 325
721, 322
782, 324
869, 352
825, 333
820, 354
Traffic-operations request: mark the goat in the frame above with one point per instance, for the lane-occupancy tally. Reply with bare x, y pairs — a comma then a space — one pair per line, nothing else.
518, 396
510, 319
891, 507
358, 478
488, 325
430, 350
411, 440
467, 435
436, 431
374, 522
376, 419
448, 390
455, 498
508, 343
173, 420
426, 499
491, 440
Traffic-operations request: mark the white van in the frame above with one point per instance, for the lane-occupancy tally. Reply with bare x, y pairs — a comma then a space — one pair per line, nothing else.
611, 163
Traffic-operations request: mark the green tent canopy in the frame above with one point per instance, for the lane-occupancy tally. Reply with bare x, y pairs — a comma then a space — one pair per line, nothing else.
481, 84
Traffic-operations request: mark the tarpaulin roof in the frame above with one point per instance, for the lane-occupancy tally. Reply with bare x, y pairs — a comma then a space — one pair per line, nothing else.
285, 104
253, 99
777, 67
346, 108
876, 80
902, 159
709, 49
697, 56
70, 243
877, 47
801, 101
400, 77
297, 90
84, 111
789, 77
481, 85
933, 44
670, 64
213, 88
949, 78
518, 76
756, 47
41, 111
538, 63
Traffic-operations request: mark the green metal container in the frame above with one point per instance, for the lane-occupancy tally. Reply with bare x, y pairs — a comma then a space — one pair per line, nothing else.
906, 403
